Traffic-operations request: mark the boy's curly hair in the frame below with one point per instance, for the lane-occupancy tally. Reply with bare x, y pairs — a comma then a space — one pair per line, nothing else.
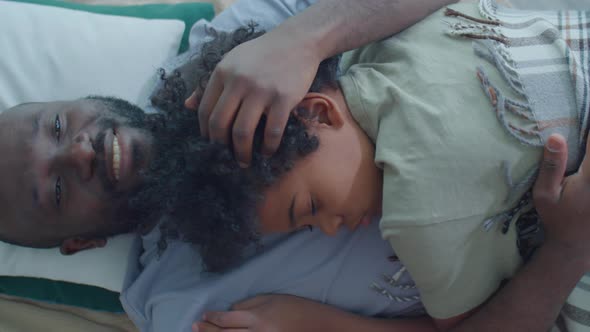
208, 199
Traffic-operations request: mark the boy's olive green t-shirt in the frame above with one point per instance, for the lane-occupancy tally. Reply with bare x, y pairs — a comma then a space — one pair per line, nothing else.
441, 149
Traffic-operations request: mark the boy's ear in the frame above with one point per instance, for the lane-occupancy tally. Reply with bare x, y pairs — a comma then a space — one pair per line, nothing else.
73, 245
319, 109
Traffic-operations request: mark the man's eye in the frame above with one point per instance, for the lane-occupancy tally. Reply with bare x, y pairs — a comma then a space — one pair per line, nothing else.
58, 191
57, 127
314, 208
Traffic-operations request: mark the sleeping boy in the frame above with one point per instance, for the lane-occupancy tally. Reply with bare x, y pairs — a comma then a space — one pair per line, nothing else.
443, 146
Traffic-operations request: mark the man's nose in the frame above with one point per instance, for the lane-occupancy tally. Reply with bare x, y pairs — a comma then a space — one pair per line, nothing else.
330, 225
79, 155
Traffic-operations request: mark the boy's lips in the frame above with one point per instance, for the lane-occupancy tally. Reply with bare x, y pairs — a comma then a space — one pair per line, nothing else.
363, 221
366, 220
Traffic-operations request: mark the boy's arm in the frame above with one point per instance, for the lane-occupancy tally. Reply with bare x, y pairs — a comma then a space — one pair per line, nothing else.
271, 74
532, 299
286, 313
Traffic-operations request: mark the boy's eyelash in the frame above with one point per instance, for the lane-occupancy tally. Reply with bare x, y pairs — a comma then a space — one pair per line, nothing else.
304, 227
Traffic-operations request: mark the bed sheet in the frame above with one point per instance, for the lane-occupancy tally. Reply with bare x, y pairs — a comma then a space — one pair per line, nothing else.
19, 315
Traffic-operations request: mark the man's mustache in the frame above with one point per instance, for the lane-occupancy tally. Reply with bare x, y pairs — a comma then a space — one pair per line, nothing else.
100, 161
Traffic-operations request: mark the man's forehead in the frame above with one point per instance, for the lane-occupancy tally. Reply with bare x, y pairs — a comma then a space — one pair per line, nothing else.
23, 107
18, 130
17, 214
29, 108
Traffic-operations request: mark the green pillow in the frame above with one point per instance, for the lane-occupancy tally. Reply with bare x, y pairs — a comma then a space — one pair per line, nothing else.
68, 293
189, 12
60, 292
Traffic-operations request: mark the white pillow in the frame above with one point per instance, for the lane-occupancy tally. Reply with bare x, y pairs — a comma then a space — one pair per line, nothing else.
50, 53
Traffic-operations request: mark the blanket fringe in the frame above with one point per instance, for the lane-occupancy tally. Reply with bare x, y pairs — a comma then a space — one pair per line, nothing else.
504, 106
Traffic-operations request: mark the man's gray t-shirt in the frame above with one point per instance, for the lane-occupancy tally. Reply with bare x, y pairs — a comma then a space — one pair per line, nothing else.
352, 271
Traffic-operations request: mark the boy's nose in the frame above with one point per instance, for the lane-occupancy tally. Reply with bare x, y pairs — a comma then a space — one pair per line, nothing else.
331, 225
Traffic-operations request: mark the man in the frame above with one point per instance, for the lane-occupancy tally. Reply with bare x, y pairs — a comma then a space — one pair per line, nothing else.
96, 125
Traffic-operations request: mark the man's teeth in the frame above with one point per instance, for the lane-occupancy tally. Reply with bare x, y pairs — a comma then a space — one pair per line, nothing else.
116, 157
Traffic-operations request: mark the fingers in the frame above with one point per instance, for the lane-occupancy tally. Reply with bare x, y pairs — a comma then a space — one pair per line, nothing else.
244, 128
275, 125
206, 327
211, 95
192, 103
230, 319
548, 186
224, 113
585, 167
251, 303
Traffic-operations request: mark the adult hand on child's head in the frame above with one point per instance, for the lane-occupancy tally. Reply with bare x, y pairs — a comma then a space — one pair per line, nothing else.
564, 203
268, 75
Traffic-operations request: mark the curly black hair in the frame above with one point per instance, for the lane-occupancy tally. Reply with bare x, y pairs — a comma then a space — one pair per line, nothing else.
204, 197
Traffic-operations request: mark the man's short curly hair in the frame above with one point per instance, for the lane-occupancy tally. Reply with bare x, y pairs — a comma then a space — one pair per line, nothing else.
211, 201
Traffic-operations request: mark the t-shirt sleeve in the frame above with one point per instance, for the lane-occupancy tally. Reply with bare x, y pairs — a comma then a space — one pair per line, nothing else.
456, 264
266, 13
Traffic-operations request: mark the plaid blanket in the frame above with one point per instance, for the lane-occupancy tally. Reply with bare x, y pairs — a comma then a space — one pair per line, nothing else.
544, 56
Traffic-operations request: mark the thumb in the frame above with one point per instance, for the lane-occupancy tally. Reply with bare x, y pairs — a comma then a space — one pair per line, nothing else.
585, 167
548, 186
192, 102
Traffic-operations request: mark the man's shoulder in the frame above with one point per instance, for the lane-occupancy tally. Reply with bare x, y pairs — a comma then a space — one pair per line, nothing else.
161, 259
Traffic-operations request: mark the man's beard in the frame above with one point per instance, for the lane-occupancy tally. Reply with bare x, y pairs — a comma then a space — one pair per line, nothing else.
187, 198
143, 204
148, 202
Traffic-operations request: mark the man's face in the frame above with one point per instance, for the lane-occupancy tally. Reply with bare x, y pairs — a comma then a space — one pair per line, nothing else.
65, 169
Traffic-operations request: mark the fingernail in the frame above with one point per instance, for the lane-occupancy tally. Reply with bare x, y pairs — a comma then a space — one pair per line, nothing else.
195, 327
242, 164
190, 102
553, 144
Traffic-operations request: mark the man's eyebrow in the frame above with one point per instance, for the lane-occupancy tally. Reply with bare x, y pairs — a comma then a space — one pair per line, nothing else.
35, 195
36, 121
292, 222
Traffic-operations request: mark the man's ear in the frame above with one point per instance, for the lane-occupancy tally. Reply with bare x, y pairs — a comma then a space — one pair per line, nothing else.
318, 108
73, 245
